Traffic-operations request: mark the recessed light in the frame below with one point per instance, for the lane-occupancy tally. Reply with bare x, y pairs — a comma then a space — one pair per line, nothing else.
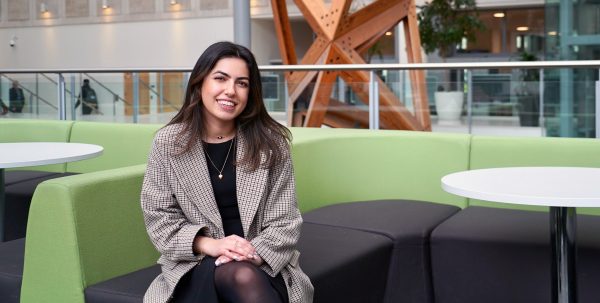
552, 33
522, 28
105, 4
499, 15
388, 33
173, 2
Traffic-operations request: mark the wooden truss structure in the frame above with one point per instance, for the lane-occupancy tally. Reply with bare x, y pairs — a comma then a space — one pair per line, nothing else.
340, 39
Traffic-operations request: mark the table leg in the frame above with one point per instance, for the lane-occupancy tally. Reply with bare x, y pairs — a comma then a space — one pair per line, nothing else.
563, 223
2, 204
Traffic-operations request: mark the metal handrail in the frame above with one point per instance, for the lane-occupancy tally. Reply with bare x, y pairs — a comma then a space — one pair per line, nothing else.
55, 83
366, 67
106, 88
157, 94
31, 92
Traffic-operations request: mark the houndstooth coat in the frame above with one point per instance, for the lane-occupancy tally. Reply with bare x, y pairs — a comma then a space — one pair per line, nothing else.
178, 201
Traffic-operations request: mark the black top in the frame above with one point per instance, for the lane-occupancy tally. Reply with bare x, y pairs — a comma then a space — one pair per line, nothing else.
224, 189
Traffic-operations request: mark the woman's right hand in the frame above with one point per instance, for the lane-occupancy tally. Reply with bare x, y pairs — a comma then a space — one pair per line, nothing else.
232, 247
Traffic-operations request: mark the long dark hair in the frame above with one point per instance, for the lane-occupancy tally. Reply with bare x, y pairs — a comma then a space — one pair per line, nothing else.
263, 134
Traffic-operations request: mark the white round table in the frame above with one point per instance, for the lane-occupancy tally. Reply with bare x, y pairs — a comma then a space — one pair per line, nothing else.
560, 188
39, 153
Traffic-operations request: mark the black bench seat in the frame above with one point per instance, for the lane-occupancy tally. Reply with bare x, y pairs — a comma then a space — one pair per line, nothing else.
408, 224
344, 265
491, 255
19, 189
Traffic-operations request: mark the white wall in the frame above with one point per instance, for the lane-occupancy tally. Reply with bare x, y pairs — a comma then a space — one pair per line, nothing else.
169, 43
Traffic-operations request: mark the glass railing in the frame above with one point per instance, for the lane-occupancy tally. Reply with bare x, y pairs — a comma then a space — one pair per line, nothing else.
550, 98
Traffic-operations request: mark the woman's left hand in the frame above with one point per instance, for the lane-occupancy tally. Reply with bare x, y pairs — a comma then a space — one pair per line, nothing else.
256, 260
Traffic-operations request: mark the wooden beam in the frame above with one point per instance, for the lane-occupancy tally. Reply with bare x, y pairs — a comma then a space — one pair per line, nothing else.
284, 32
172, 93
316, 54
143, 93
352, 115
365, 46
341, 115
370, 20
417, 77
314, 13
340, 38
297, 85
319, 100
395, 115
337, 11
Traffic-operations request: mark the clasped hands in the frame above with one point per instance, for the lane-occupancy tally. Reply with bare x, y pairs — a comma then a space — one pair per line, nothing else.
230, 248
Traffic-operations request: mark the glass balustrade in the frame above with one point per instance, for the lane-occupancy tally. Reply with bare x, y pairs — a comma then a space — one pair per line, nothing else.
491, 101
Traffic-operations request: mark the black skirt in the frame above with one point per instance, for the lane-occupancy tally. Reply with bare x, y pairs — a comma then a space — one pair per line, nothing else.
198, 285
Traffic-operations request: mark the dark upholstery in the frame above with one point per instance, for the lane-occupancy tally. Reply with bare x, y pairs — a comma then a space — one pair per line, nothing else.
18, 199
408, 224
11, 270
344, 265
16, 176
500, 255
129, 288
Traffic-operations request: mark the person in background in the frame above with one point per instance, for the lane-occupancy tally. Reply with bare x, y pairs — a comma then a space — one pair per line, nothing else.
88, 98
16, 98
3, 108
218, 196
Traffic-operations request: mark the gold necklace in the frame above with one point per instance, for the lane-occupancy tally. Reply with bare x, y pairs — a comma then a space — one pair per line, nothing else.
224, 162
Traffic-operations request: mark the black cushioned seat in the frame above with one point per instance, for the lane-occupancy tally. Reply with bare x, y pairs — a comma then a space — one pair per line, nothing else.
129, 288
16, 176
11, 270
502, 255
344, 265
408, 224
18, 199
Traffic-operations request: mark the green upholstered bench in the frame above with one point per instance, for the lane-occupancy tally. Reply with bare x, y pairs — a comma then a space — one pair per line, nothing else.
87, 229
124, 145
92, 232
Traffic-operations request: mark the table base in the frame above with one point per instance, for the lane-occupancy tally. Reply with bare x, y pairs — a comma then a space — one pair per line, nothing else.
563, 224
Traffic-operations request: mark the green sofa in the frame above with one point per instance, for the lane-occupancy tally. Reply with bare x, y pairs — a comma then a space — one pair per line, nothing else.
88, 228
124, 145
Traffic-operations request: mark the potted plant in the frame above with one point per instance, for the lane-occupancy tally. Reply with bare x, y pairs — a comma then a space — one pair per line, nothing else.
527, 92
442, 25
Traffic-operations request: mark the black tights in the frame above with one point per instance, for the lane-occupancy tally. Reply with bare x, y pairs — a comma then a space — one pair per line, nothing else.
242, 282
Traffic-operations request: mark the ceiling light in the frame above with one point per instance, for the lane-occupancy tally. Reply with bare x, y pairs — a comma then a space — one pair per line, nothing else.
173, 2
552, 33
499, 15
522, 28
105, 4
388, 33
43, 8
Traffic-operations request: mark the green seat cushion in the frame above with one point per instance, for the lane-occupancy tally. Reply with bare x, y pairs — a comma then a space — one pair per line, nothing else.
84, 229
124, 144
24, 130
487, 152
358, 165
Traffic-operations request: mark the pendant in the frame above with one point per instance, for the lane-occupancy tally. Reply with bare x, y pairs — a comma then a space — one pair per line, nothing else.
220, 176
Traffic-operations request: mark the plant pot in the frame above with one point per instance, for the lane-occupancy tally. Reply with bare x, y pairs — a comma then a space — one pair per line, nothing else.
529, 110
449, 106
